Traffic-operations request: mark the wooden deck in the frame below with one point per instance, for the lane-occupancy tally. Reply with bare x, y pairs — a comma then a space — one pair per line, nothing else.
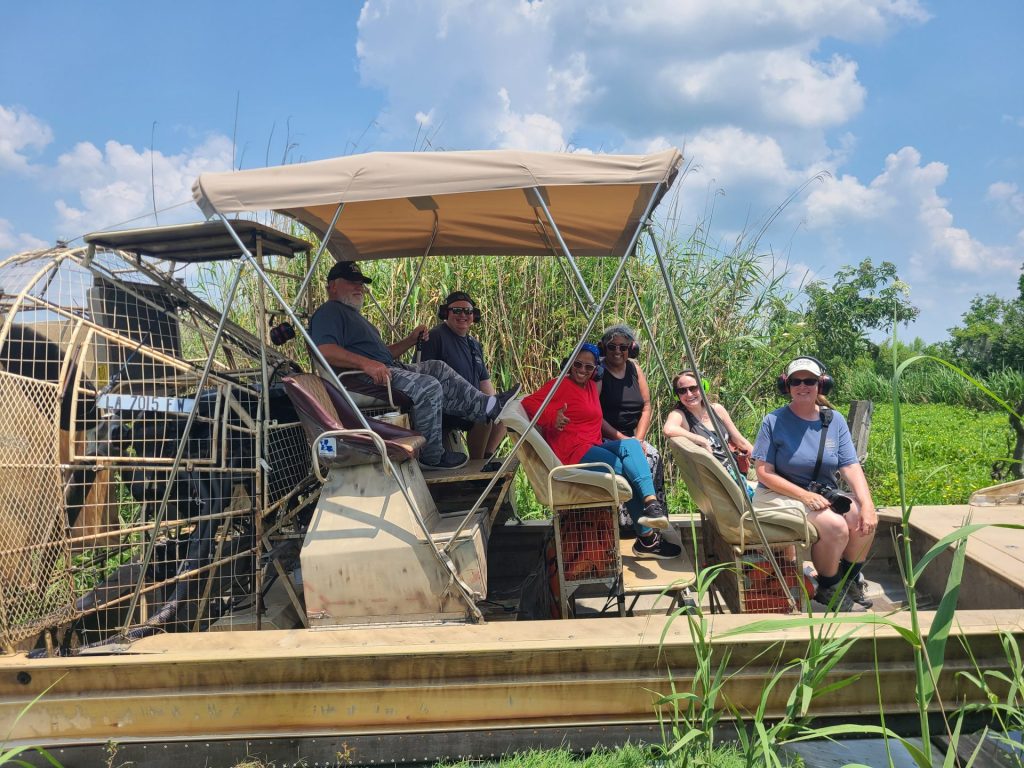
994, 574
666, 580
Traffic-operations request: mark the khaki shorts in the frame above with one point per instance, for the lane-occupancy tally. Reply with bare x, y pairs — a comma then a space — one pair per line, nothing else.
766, 498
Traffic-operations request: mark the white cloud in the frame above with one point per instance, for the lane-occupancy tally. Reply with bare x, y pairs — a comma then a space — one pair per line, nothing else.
1008, 194
639, 69
21, 133
14, 242
118, 183
904, 204
530, 131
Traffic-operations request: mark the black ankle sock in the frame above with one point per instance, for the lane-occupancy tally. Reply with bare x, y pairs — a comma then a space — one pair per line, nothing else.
824, 582
846, 567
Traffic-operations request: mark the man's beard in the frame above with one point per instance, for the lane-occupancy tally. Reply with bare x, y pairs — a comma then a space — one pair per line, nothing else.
356, 302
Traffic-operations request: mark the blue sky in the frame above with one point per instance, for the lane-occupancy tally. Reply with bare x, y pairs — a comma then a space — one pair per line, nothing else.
914, 109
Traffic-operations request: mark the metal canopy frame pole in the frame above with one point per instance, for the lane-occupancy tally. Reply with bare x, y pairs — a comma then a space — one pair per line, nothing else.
691, 359
539, 199
561, 265
442, 556
183, 442
316, 259
650, 334
568, 363
416, 277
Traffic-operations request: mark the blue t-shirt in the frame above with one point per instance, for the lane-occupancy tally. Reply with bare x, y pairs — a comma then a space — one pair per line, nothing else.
462, 353
790, 444
338, 323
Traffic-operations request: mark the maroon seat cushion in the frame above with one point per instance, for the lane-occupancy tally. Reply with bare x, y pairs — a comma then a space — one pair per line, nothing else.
321, 408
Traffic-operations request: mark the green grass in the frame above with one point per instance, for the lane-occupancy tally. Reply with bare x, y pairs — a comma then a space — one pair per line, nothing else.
948, 452
629, 756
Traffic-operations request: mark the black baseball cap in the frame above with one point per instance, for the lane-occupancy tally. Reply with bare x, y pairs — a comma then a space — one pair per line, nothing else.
347, 270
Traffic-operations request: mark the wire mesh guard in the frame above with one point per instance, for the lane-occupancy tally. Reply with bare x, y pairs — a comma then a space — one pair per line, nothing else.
751, 585
588, 544
129, 494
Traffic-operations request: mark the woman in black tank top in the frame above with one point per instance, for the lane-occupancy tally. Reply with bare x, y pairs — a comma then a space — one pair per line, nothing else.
626, 398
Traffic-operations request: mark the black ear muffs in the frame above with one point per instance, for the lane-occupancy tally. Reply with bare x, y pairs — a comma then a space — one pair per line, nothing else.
634, 349
825, 381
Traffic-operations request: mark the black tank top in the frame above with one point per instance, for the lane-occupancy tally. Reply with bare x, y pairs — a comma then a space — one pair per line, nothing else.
621, 401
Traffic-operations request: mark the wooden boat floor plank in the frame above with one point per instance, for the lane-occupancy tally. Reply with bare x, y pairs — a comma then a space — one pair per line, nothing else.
644, 576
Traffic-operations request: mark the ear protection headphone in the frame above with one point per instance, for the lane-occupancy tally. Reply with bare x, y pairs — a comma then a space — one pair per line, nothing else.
618, 330
825, 381
442, 310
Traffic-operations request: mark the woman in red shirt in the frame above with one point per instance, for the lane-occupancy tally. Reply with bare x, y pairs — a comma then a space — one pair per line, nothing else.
571, 425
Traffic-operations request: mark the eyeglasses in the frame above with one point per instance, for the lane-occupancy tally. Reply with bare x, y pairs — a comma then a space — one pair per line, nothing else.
583, 366
688, 390
794, 381
617, 347
461, 310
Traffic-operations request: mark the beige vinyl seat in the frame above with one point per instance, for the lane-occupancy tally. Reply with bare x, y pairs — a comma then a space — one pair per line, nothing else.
729, 533
721, 501
556, 485
584, 505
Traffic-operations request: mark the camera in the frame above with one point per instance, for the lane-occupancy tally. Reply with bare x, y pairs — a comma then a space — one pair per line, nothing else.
840, 501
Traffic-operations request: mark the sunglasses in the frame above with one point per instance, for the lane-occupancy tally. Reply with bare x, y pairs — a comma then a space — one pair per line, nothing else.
617, 347
794, 381
583, 366
688, 390
461, 310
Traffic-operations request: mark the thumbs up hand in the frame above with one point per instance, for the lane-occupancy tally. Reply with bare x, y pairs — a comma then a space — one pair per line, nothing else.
560, 418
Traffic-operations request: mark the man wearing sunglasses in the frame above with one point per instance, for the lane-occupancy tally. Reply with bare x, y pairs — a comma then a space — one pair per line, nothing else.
349, 341
451, 342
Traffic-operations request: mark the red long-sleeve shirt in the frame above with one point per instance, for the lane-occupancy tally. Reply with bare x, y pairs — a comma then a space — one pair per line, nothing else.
583, 408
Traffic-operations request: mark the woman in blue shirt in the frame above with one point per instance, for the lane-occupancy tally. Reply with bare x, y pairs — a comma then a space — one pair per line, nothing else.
786, 454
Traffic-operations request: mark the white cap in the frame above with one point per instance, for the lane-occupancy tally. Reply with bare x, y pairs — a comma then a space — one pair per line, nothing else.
804, 364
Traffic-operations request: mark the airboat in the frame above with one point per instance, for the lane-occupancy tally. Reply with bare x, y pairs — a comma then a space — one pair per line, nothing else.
210, 541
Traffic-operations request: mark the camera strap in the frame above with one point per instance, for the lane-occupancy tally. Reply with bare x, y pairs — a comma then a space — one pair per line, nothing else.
826, 419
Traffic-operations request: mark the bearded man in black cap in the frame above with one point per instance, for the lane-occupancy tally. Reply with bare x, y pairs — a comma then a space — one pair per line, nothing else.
349, 341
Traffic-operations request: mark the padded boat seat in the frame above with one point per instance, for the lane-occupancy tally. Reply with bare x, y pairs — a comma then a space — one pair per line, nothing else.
322, 408
721, 500
365, 394
572, 487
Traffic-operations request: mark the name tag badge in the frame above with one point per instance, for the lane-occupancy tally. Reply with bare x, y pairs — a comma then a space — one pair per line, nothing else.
328, 448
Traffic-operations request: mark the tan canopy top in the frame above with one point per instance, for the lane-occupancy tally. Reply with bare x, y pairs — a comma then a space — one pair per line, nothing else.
481, 202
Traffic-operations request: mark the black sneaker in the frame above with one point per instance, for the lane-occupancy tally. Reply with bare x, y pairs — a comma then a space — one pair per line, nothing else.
857, 590
448, 460
502, 399
653, 545
654, 515
836, 599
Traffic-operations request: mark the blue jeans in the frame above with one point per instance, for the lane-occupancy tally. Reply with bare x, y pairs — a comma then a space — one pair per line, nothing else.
626, 458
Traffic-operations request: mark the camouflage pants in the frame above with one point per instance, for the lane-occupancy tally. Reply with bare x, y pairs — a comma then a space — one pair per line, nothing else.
435, 388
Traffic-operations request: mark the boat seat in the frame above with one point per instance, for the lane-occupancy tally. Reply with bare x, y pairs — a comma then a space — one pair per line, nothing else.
585, 507
322, 408
370, 398
721, 501
570, 486
748, 585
